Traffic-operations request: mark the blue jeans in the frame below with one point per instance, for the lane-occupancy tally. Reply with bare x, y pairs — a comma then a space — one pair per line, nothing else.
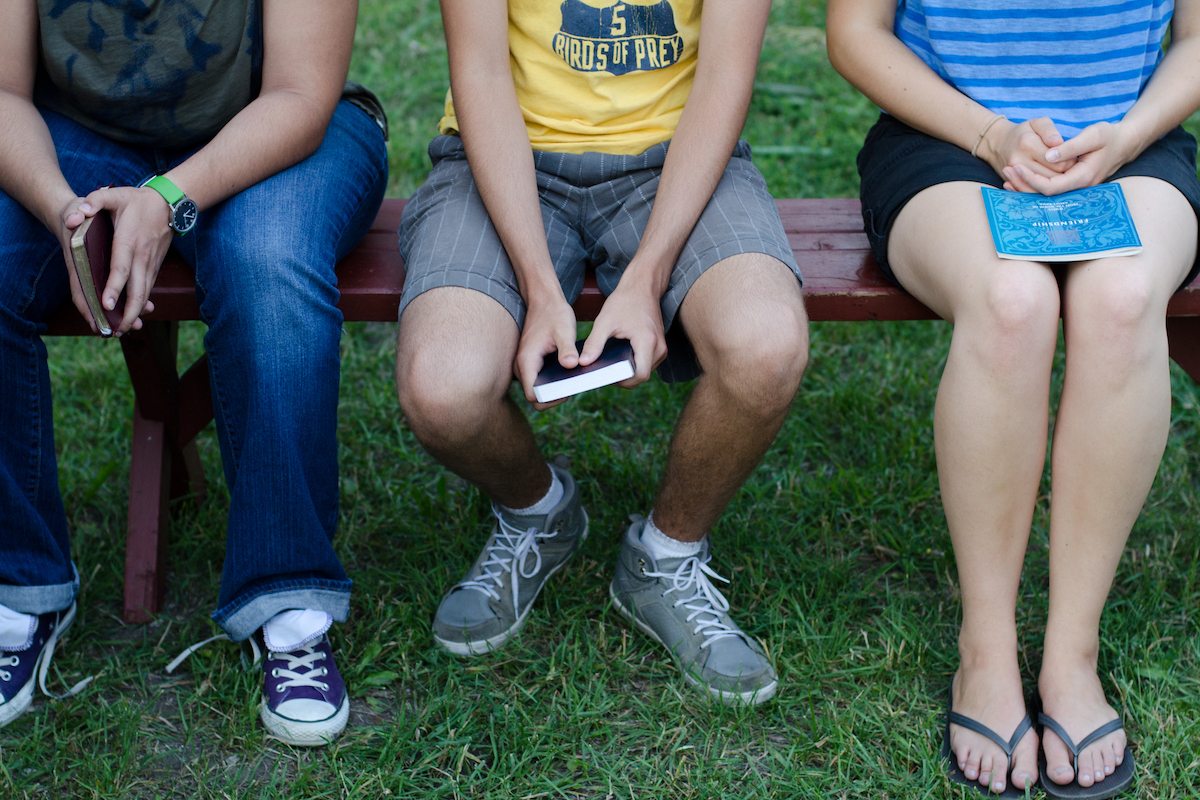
267, 290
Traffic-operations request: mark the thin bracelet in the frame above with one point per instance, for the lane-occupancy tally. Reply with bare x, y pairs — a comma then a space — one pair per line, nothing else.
979, 139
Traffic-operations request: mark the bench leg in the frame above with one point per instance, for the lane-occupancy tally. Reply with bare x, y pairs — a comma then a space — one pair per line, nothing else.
1183, 339
146, 544
165, 464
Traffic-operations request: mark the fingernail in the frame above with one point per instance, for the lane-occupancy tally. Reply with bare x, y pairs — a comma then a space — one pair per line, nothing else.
1052, 156
85, 207
109, 303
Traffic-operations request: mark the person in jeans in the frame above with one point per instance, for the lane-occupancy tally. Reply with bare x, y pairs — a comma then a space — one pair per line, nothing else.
603, 135
1033, 97
222, 131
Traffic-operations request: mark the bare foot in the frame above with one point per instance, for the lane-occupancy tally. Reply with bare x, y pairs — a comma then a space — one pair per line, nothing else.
1075, 700
992, 697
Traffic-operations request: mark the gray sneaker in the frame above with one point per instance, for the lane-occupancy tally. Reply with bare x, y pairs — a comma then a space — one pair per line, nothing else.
675, 603
490, 604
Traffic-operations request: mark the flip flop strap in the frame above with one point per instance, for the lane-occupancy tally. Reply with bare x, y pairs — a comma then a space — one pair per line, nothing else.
1103, 730
1007, 747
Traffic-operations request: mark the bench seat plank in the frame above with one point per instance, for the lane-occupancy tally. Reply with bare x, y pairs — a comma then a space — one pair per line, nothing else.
841, 282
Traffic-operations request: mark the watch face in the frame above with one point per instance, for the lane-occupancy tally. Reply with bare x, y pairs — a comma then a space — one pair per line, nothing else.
185, 216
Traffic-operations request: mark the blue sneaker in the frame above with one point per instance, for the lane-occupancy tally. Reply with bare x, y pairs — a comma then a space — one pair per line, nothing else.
304, 700
21, 669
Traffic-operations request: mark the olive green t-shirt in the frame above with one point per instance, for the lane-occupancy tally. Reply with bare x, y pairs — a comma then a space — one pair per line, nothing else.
160, 73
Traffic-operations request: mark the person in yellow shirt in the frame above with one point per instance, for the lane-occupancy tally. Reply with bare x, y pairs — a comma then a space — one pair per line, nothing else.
600, 134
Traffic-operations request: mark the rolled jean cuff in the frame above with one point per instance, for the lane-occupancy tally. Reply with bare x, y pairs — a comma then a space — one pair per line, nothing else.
241, 618
40, 599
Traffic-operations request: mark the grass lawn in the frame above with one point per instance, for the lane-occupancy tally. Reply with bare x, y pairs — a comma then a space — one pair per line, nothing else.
837, 548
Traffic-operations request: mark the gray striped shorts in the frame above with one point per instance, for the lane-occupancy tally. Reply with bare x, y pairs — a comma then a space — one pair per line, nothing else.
594, 209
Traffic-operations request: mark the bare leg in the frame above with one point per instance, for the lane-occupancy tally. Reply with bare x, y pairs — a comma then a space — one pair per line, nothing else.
990, 425
746, 320
1109, 438
453, 371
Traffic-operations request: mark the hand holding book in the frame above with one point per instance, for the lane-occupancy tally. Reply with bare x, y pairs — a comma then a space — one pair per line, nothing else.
137, 238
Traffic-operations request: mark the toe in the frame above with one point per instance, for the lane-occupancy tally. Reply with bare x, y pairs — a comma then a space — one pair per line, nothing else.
1085, 769
1058, 760
1025, 762
1109, 760
986, 766
969, 764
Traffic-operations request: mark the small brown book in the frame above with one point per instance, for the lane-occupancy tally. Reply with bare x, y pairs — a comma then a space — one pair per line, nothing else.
91, 251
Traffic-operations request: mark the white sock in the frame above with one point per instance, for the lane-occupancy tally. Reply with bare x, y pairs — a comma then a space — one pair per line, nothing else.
16, 629
291, 630
543, 506
662, 546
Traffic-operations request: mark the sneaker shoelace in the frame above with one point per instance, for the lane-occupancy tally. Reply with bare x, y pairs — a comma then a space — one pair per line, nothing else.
302, 659
179, 659
707, 600
510, 552
47, 656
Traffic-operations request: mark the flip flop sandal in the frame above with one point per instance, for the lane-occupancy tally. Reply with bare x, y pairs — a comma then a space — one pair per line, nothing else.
1111, 786
956, 774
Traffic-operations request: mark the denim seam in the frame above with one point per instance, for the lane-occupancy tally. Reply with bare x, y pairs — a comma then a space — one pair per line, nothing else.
325, 584
361, 201
34, 490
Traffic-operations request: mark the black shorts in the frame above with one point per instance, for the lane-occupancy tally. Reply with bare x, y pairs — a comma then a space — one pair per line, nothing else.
897, 161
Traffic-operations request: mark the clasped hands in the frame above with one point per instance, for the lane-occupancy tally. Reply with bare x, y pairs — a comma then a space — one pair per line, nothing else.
1033, 157
142, 236
631, 312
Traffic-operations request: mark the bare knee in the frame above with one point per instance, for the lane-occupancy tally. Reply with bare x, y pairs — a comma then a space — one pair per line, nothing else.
1017, 318
759, 362
447, 404
453, 364
1122, 319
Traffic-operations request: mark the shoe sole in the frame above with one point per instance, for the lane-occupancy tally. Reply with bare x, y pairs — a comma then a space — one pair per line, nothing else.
303, 733
754, 698
21, 701
481, 647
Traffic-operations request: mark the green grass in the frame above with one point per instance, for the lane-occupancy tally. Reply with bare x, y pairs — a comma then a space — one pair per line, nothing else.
836, 545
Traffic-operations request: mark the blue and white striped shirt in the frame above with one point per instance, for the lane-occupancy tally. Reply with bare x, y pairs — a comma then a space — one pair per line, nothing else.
1076, 61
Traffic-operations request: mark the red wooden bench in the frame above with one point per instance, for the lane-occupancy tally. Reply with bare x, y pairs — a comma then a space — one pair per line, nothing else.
841, 282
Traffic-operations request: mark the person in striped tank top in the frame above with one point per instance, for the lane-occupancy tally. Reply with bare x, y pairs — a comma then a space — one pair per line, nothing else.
1045, 97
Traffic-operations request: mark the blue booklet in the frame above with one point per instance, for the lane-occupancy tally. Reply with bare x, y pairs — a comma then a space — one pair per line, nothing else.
1076, 226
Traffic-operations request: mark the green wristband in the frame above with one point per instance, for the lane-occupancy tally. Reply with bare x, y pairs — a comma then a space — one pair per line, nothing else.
183, 209
163, 185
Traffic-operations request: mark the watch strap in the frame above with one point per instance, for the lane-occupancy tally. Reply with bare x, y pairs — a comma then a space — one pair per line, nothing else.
164, 186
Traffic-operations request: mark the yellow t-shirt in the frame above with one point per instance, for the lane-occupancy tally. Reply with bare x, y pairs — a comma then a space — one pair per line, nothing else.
599, 75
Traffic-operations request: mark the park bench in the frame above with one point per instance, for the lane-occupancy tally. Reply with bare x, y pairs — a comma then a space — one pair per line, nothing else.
841, 282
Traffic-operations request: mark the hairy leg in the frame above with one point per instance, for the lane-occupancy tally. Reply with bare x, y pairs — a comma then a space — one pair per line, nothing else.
1108, 440
454, 366
746, 320
990, 425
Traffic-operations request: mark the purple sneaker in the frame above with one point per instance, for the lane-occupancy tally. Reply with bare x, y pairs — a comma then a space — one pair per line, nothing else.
304, 699
21, 670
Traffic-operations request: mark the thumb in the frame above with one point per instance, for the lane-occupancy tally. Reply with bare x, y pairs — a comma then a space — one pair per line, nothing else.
594, 345
568, 355
1087, 141
1045, 129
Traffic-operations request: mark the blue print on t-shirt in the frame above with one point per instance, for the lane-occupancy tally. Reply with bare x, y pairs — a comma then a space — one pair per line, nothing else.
619, 38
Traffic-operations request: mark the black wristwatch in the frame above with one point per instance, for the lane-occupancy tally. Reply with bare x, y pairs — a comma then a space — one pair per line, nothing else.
183, 208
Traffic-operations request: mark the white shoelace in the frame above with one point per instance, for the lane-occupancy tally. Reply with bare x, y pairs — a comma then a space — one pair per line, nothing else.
510, 552
706, 600
47, 655
297, 662
179, 659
